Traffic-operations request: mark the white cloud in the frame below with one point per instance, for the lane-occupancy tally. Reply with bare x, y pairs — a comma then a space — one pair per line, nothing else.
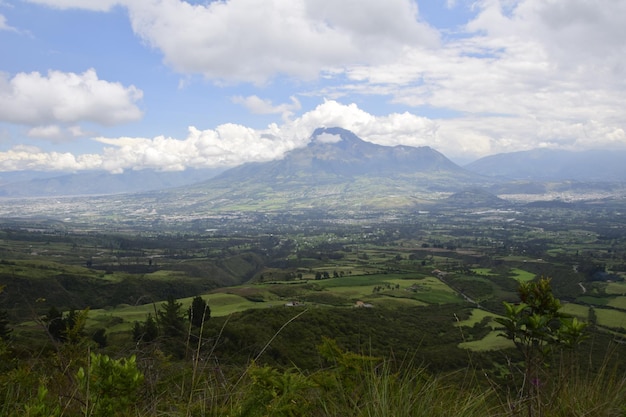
525, 73
226, 145
56, 133
328, 138
463, 139
255, 40
95, 5
528, 73
53, 132
30, 158
4, 25
260, 106
59, 97
571, 31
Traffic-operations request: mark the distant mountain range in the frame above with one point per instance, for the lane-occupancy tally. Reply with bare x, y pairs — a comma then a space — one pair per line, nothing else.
338, 169
554, 165
46, 184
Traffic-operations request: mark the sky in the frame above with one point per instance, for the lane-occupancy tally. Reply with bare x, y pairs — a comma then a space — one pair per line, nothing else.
171, 84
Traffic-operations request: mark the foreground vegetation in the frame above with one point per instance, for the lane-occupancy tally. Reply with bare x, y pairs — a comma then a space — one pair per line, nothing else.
188, 373
420, 314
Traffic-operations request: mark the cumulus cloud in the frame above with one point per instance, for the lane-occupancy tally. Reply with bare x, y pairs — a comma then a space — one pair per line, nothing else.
31, 158
4, 25
53, 132
95, 5
298, 38
572, 32
527, 73
521, 74
227, 145
58, 97
56, 133
254, 40
328, 138
260, 106
463, 139
541, 55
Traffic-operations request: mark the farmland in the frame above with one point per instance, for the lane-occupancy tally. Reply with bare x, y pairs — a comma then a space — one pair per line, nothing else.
428, 286
465, 258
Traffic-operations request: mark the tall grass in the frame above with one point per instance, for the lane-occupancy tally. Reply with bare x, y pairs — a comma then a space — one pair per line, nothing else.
416, 394
346, 384
594, 392
359, 387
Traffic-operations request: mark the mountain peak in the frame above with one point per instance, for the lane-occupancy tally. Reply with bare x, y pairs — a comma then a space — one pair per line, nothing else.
335, 131
332, 135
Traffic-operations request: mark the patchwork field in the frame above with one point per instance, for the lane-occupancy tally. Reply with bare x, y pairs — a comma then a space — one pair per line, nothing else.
377, 290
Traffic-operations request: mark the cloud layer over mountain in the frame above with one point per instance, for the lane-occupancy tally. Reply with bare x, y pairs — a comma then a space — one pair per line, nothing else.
512, 75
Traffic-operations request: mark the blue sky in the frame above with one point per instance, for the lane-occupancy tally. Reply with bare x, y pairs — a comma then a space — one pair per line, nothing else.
173, 84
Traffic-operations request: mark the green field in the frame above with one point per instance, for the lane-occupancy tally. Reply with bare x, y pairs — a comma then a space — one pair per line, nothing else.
490, 342
577, 310
522, 276
476, 316
611, 318
483, 271
221, 304
618, 302
616, 288
519, 274
396, 290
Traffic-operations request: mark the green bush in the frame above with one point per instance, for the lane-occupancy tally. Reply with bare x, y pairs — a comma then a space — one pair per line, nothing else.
109, 387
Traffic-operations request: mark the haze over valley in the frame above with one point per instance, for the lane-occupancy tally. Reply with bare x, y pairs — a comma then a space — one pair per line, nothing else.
335, 171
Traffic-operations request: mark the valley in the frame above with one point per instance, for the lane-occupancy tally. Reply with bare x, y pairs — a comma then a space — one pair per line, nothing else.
343, 271
470, 257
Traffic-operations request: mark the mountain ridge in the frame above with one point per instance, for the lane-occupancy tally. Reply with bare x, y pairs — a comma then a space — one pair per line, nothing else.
554, 165
335, 170
349, 156
337, 161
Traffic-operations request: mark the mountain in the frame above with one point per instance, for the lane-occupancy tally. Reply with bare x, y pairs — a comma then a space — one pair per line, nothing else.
474, 198
36, 184
11, 177
554, 165
335, 170
335, 154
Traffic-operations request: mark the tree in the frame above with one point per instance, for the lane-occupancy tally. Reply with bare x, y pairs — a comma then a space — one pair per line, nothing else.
147, 331
536, 326
55, 324
5, 330
100, 337
75, 326
150, 329
171, 321
170, 318
199, 312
